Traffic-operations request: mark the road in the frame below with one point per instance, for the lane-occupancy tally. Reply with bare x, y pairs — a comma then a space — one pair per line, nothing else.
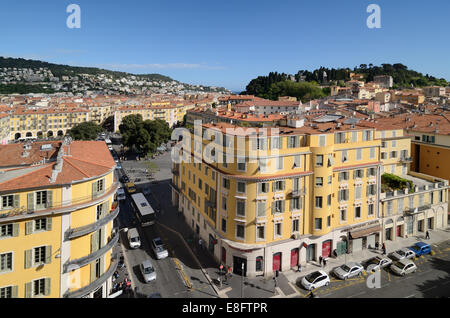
431, 280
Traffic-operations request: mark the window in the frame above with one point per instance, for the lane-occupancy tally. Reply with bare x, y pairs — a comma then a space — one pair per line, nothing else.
261, 208
394, 143
6, 292
318, 202
400, 206
39, 255
241, 166
317, 223
371, 172
193, 178
393, 154
7, 201
344, 156
293, 142
319, 160
371, 209
259, 264
280, 164
240, 231
343, 215
358, 192
295, 225
224, 203
6, 230
389, 208
296, 204
384, 155
329, 179
41, 198
329, 200
367, 135
6, 262
371, 189
100, 185
330, 160
339, 138
278, 229
354, 136
241, 187
40, 224
260, 232
276, 142
240, 208
343, 195
200, 183
224, 225
358, 154
319, 181
279, 185
224, 162
343, 176
383, 144
39, 287
263, 187
226, 183
359, 173
297, 159
357, 212
263, 165
322, 141
278, 206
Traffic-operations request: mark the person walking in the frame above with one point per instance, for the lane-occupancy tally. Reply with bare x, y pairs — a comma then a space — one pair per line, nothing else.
384, 249
427, 236
324, 262
320, 260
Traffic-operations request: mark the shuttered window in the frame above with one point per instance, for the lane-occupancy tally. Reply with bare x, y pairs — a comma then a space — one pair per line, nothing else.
8, 292
240, 208
261, 208
6, 262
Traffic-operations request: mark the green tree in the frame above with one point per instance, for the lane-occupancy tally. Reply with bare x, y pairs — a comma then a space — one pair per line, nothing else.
85, 131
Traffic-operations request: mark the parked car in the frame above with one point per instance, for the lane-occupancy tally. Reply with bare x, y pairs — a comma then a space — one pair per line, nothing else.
130, 187
348, 270
121, 194
118, 166
110, 148
376, 263
403, 267
403, 253
125, 179
159, 249
315, 279
133, 238
148, 271
421, 248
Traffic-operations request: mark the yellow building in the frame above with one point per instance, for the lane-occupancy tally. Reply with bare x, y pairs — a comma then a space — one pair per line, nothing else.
4, 129
43, 123
56, 219
291, 196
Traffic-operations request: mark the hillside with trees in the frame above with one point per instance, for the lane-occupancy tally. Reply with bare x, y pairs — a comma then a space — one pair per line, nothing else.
275, 84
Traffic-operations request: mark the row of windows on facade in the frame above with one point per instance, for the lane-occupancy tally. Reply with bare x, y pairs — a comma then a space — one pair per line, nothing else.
33, 257
35, 288
43, 199
400, 202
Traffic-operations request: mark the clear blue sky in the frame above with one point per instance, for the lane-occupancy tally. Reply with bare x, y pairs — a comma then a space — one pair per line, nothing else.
228, 42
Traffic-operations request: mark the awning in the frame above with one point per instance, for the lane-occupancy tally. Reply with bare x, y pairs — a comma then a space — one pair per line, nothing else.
365, 232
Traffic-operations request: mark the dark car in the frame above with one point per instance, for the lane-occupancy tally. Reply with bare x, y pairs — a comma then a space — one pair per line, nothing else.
125, 179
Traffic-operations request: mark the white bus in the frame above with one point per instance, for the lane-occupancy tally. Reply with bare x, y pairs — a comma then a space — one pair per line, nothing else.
143, 209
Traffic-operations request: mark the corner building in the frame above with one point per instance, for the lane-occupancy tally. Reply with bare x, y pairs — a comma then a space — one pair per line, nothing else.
56, 220
293, 195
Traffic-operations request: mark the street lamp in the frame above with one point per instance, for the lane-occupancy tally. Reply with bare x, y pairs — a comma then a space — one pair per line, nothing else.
242, 281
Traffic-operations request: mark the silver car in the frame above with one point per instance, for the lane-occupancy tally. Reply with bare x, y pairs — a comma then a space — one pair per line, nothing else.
348, 270
403, 253
148, 271
403, 267
159, 249
376, 263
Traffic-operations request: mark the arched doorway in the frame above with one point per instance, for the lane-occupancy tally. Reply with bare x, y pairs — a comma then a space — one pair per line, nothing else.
50, 133
40, 135
29, 135
60, 133
17, 136
388, 229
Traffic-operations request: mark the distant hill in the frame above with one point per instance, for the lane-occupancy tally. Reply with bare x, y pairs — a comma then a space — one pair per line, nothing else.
268, 86
59, 70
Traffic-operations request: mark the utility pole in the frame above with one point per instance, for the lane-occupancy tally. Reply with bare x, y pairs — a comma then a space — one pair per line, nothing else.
242, 281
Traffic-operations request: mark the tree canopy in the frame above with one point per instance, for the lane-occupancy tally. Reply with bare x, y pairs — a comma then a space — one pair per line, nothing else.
144, 136
85, 131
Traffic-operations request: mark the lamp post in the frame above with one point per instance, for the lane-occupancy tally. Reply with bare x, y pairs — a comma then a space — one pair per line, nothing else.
242, 281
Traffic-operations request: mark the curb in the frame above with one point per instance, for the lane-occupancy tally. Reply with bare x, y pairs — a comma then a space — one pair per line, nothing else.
195, 257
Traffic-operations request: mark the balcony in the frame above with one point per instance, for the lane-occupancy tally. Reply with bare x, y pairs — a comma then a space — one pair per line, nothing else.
97, 283
80, 262
406, 159
419, 209
83, 230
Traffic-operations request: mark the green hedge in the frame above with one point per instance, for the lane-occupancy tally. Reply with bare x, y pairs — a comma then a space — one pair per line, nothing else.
395, 182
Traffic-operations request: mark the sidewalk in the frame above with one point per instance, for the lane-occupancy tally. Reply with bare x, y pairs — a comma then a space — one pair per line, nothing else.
436, 236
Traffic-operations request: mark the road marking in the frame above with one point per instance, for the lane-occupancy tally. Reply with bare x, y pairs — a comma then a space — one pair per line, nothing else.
410, 296
361, 293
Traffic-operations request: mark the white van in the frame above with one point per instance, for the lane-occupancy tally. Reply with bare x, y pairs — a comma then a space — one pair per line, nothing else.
121, 194
133, 238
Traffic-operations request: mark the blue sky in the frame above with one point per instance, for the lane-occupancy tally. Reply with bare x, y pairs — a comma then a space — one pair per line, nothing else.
228, 42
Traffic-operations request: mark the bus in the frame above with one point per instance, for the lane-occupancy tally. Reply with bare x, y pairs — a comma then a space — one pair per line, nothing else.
143, 209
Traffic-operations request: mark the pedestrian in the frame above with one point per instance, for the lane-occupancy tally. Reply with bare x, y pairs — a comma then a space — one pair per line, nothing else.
324, 262
229, 271
200, 242
320, 260
383, 247
427, 236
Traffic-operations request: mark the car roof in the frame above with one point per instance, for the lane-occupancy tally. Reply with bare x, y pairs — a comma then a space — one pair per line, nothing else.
156, 239
421, 244
147, 263
133, 231
351, 264
406, 261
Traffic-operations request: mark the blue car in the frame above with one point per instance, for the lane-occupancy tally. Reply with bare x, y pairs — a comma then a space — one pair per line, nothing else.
421, 248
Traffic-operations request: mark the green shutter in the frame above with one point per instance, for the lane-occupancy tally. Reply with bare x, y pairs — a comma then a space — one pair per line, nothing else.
283, 184
16, 200
93, 271
31, 201
28, 227
273, 207
49, 224
94, 242
47, 287
48, 254
94, 189
14, 292
49, 203
283, 203
16, 229
28, 255
291, 204
28, 290
102, 265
